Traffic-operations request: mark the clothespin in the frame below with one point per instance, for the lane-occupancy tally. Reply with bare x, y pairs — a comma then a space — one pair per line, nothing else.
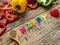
38, 19
24, 30
35, 23
44, 17
29, 26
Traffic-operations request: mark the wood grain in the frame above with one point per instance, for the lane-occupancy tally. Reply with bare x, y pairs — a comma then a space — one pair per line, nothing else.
49, 35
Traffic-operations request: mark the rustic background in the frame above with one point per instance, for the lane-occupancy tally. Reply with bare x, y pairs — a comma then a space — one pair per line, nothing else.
49, 35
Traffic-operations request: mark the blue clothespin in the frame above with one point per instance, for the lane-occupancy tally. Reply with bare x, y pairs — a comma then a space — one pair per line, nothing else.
38, 19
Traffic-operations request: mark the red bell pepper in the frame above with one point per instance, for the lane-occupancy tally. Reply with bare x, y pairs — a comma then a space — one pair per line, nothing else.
4, 21
9, 6
1, 4
11, 18
1, 13
6, 9
8, 3
32, 6
3, 28
31, 1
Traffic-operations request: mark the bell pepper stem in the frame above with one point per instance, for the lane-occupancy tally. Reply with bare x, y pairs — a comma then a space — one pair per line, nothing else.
17, 8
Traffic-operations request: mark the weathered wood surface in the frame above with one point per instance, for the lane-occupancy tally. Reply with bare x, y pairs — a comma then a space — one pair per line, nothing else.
49, 35
29, 14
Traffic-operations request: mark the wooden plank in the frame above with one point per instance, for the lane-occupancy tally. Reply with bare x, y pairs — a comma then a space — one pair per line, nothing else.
29, 14
38, 36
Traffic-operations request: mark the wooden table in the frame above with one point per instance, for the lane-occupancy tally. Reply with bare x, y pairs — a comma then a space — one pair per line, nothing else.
49, 35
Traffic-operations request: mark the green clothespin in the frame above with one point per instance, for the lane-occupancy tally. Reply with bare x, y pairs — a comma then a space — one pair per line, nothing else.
29, 26
45, 18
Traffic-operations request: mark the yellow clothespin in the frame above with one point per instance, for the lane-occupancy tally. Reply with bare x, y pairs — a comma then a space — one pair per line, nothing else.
44, 17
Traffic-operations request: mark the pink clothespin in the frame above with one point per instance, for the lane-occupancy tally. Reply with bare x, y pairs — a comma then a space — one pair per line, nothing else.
24, 30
